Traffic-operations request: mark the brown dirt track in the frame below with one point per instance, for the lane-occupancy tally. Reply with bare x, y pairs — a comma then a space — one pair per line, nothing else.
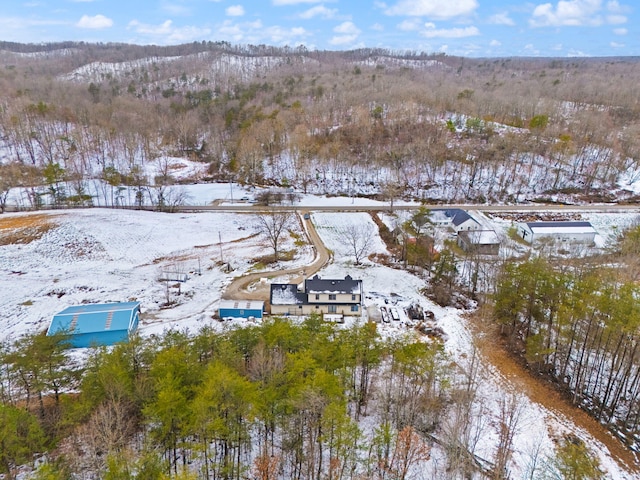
239, 287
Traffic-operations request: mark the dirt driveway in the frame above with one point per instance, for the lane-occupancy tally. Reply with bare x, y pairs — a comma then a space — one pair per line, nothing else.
253, 287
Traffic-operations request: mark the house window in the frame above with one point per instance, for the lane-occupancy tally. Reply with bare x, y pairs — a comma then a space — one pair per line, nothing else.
354, 308
332, 296
332, 309
353, 297
317, 296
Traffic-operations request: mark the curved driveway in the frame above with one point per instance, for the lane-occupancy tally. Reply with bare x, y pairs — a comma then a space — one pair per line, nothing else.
239, 287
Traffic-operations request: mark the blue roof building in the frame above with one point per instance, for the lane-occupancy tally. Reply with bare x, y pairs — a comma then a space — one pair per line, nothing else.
240, 309
97, 323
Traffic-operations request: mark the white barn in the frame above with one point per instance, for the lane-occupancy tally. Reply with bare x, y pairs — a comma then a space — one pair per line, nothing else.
564, 231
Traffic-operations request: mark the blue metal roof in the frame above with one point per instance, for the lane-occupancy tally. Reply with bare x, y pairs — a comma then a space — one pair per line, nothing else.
96, 317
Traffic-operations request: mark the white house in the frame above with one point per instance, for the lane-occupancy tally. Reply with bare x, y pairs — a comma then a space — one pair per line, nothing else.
326, 296
564, 231
455, 218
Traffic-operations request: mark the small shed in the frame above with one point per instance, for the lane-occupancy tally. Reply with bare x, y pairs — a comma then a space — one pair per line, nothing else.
240, 309
97, 323
482, 242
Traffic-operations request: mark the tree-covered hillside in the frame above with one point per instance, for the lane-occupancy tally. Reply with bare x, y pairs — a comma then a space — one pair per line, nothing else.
435, 127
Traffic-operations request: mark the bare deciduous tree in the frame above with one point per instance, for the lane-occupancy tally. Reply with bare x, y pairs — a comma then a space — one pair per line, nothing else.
511, 408
271, 226
358, 238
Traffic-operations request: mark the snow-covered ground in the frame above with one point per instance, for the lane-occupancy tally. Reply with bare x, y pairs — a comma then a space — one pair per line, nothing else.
101, 255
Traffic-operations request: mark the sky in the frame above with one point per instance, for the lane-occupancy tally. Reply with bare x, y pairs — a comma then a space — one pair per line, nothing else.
472, 28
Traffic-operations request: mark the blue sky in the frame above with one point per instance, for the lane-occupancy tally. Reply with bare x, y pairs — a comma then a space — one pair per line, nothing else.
474, 28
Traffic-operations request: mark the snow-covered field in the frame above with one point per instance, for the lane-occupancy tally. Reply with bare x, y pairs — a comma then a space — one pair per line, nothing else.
101, 255
109, 255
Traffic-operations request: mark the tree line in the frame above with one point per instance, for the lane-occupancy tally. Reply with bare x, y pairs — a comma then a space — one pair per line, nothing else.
461, 130
577, 323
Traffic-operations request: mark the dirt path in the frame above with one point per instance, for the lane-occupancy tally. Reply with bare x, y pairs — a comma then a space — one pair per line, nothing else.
251, 286
544, 394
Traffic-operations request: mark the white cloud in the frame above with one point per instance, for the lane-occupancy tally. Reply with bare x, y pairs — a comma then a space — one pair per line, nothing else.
614, 6
235, 11
348, 28
616, 19
410, 25
279, 35
501, 19
378, 27
293, 2
343, 39
256, 33
174, 9
319, 11
348, 34
567, 13
96, 22
620, 31
616, 45
433, 8
166, 33
495, 43
431, 31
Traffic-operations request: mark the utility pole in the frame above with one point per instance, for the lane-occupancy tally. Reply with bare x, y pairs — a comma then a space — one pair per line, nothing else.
220, 243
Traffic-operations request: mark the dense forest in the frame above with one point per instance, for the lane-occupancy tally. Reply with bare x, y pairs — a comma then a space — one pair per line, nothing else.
576, 322
277, 400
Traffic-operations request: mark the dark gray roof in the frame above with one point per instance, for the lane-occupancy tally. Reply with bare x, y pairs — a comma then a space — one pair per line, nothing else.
559, 224
346, 285
286, 294
457, 215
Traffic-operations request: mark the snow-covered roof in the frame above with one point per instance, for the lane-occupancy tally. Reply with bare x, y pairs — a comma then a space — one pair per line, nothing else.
242, 304
346, 285
561, 227
481, 237
286, 294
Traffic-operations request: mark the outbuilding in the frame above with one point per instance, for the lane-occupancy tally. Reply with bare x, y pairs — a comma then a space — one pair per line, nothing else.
482, 242
562, 231
97, 323
240, 309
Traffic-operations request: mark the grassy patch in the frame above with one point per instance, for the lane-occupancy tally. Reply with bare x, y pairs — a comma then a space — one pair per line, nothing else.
24, 229
298, 240
512, 233
260, 263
